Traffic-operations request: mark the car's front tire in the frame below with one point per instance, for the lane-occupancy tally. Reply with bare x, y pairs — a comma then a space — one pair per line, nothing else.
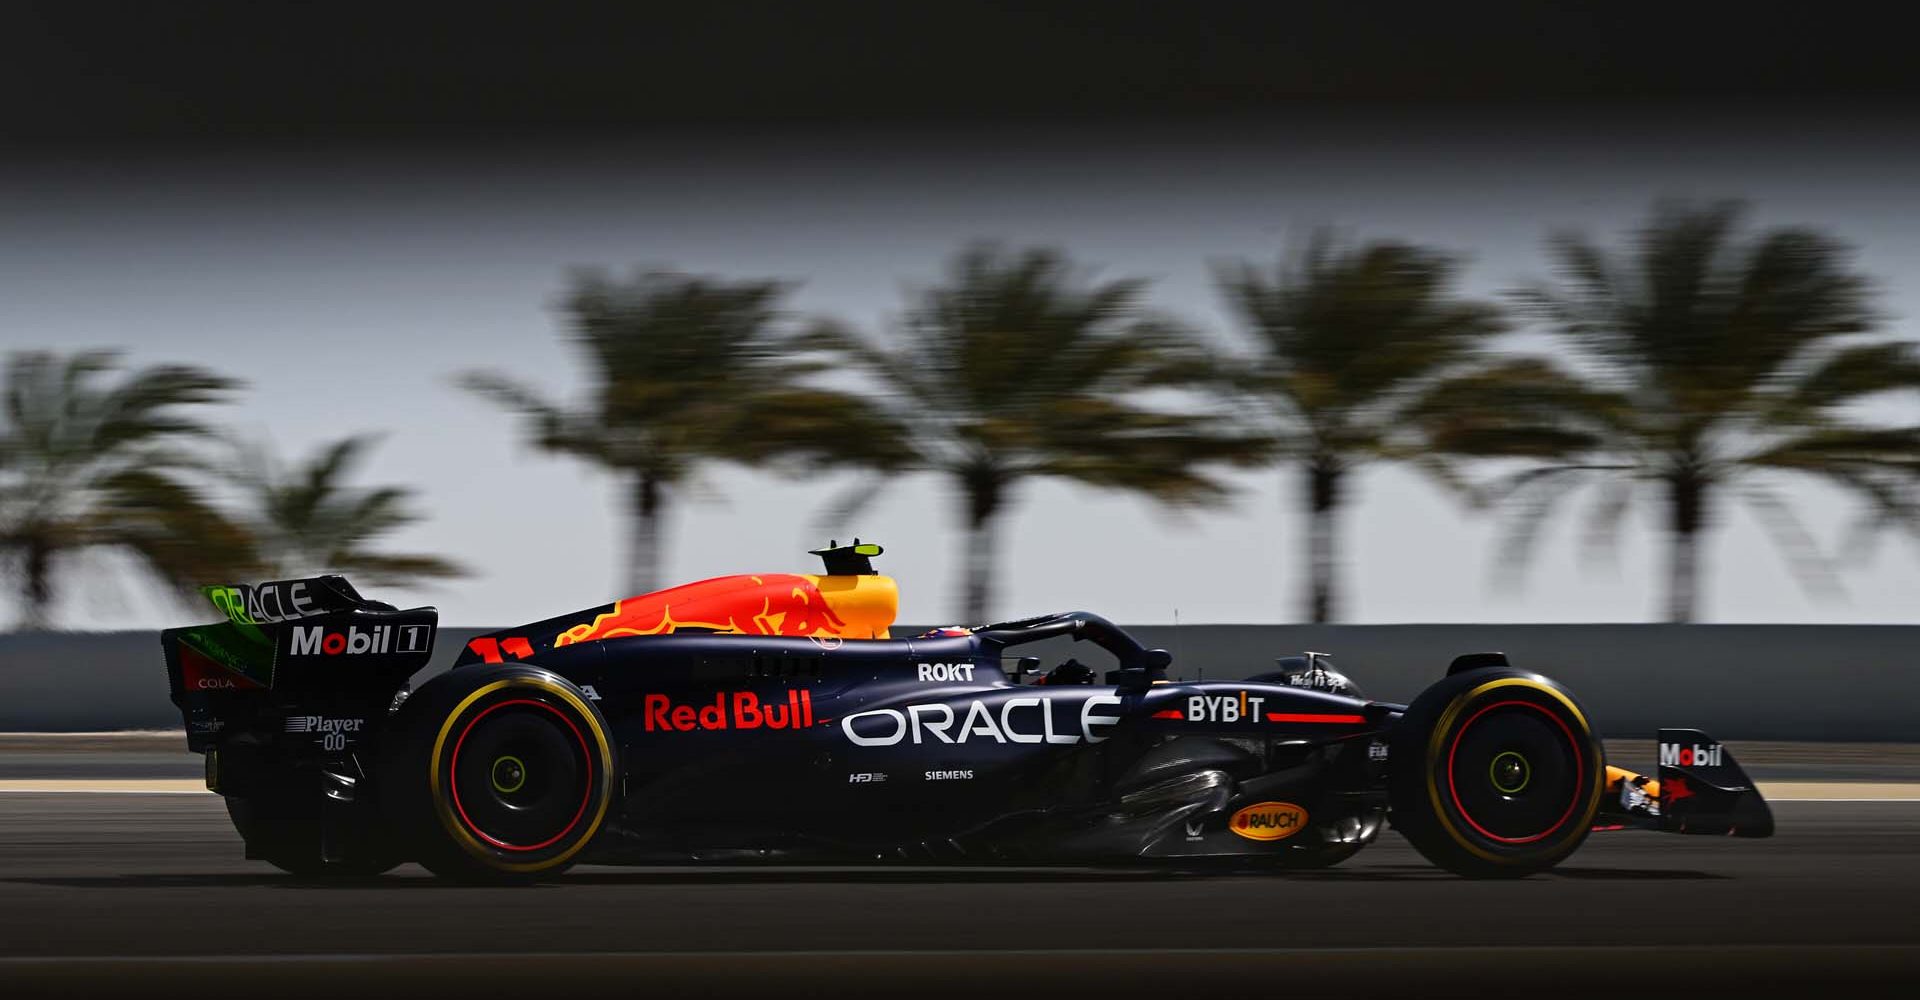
1495, 773
498, 774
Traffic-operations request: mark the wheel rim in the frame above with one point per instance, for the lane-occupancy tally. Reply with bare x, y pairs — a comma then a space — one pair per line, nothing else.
509, 774
1509, 772
1514, 771
521, 775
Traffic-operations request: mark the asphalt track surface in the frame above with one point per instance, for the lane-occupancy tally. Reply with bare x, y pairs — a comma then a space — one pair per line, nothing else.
147, 895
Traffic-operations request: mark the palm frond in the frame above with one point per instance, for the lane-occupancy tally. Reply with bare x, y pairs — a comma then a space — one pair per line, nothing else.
1346, 338
1847, 376
1810, 566
94, 464
310, 518
172, 528
1600, 540
1521, 407
1529, 500
1820, 448
1717, 357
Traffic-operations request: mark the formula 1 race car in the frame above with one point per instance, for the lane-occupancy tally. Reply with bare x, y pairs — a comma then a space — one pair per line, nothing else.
772, 718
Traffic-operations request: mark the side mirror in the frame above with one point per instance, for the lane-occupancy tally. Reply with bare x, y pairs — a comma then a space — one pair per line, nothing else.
1153, 667
1026, 666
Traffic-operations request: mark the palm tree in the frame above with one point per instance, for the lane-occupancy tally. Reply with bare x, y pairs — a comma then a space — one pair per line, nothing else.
308, 520
1703, 365
1018, 368
92, 466
686, 370
1354, 350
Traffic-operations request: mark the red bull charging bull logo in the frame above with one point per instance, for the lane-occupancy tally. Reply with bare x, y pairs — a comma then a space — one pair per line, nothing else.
766, 604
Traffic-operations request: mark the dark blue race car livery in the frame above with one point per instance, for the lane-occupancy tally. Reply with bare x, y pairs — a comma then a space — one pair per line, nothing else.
773, 718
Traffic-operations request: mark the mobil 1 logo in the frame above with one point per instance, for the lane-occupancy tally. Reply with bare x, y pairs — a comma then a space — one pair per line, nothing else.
392, 638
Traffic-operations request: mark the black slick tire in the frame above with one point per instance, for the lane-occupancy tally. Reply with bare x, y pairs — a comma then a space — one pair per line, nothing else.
1495, 773
499, 774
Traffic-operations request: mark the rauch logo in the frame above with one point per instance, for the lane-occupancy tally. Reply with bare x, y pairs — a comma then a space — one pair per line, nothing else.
1268, 821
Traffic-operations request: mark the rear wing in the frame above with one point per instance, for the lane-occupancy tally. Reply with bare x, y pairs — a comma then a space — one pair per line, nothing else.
290, 647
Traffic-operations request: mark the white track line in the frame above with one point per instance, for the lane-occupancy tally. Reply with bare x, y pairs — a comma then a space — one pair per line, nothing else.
1895, 801
102, 791
124, 786
1840, 791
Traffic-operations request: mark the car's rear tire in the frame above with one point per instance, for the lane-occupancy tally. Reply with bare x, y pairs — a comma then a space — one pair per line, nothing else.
1495, 773
498, 774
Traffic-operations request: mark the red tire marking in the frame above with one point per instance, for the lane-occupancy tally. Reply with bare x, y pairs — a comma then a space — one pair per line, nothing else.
453, 783
1579, 766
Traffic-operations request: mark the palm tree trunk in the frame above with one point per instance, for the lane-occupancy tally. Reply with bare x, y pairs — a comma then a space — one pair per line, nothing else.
36, 586
981, 493
643, 561
1686, 497
1323, 497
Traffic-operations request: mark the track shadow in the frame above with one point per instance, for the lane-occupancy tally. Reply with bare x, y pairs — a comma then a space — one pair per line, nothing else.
1395, 873
416, 880
1634, 874
1420, 873
770, 876
992, 876
878, 876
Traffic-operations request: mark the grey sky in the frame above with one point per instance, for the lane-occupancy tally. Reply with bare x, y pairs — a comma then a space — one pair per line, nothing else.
347, 287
